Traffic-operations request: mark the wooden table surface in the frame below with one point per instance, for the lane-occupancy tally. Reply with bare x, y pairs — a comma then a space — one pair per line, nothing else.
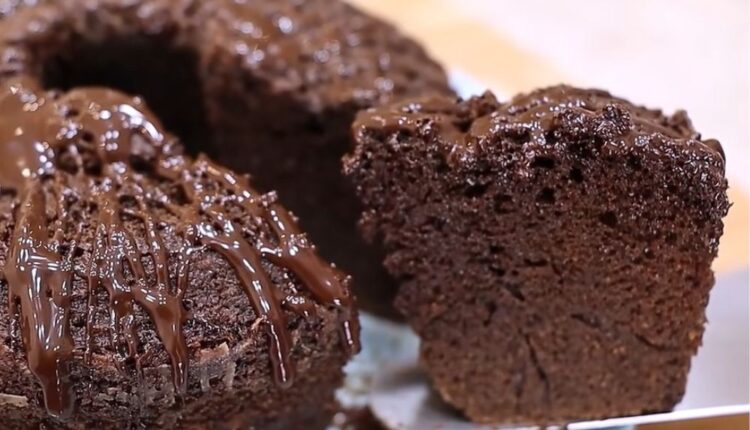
673, 54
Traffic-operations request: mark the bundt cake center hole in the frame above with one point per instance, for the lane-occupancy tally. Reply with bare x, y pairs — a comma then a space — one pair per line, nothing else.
152, 67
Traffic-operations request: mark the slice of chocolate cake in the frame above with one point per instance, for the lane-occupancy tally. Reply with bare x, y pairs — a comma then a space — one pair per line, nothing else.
142, 288
554, 253
267, 87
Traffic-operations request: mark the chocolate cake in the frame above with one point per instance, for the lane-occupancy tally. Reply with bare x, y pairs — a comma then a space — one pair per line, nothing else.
142, 288
267, 87
554, 252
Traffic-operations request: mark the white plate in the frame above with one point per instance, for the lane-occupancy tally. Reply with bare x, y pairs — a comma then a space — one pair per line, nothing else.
386, 375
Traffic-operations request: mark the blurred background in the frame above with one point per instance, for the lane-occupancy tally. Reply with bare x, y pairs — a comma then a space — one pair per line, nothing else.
671, 54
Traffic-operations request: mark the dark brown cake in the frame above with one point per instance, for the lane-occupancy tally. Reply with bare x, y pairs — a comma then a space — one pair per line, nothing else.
143, 289
554, 252
267, 87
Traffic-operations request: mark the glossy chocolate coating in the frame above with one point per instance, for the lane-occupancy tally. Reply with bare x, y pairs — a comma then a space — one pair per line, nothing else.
96, 143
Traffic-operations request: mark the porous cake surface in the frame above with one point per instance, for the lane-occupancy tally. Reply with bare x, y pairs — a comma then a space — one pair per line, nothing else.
553, 252
143, 288
266, 87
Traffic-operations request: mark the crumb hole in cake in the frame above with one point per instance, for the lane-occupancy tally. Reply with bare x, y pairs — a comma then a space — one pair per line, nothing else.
542, 162
411, 74
178, 196
496, 249
535, 263
499, 271
634, 163
127, 201
491, 309
442, 167
503, 204
141, 165
217, 226
550, 137
608, 218
519, 136
581, 150
463, 125
150, 66
671, 238
403, 136
294, 324
8, 192
313, 125
588, 320
67, 162
514, 291
87, 136
547, 196
576, 175
476, 190
92, 167
78, 321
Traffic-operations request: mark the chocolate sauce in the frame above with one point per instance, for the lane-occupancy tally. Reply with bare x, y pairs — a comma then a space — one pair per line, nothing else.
114, 249
293, 250
24, 114
117, 146
36, 128
40, 281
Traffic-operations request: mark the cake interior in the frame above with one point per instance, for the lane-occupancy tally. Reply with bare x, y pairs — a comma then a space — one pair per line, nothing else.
218, 108
541, 274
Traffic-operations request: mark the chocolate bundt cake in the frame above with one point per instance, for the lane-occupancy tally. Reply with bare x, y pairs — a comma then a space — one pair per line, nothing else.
554, 252
267, 87
142, 288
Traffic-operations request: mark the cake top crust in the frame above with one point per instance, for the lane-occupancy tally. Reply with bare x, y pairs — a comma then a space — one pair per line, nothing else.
98, 179
542, 118
324, 52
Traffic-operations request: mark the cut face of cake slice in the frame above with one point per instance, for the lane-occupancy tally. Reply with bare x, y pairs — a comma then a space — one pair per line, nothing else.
553, 252
145, 288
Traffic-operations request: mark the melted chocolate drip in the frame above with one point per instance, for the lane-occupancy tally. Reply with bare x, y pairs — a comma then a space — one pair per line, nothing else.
37, 129
40, 280
114, 249
110, 137
293, 252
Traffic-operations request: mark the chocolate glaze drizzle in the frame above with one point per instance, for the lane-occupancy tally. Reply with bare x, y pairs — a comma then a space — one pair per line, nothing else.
113, 247
292, 252
107, 144
40, 280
